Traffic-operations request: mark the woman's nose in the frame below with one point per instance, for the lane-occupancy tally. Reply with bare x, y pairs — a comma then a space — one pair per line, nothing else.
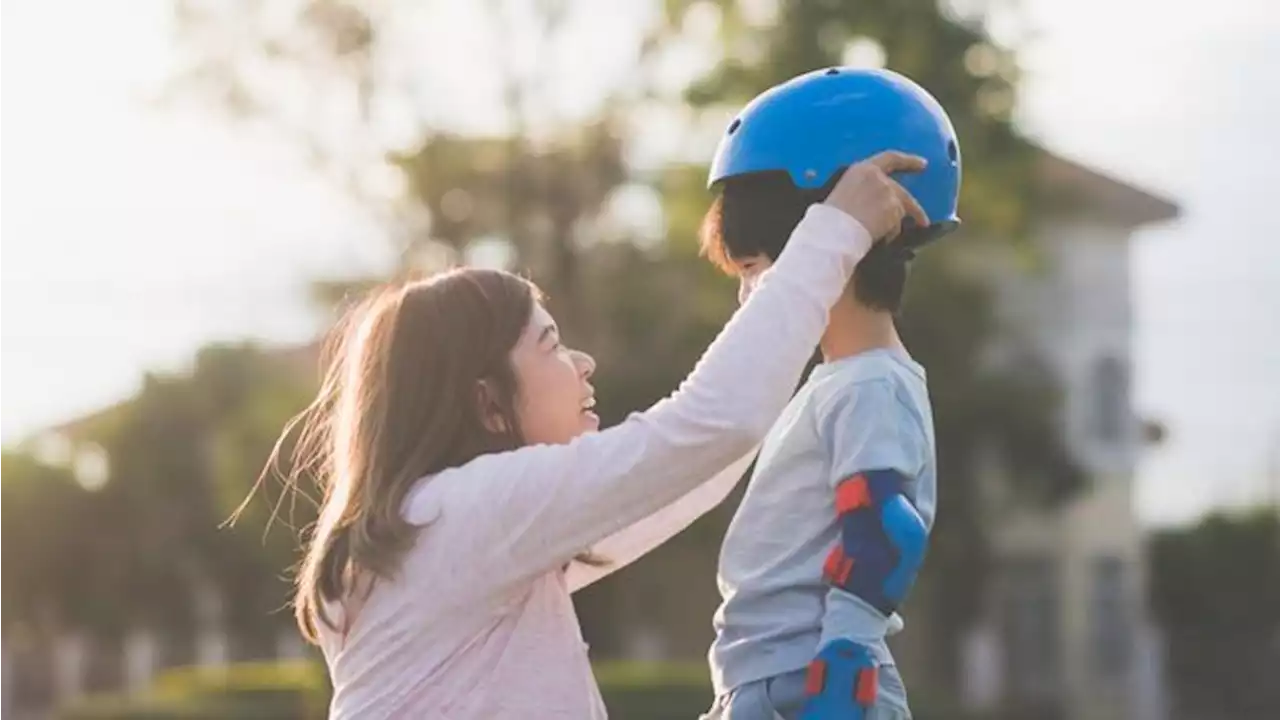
585, 363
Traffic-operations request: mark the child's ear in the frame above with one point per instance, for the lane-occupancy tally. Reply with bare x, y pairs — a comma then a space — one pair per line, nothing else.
490, 411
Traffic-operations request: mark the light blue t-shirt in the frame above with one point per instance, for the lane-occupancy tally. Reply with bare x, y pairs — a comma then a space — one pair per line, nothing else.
866, 412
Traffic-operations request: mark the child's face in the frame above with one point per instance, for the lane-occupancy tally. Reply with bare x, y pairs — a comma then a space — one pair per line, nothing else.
749, 270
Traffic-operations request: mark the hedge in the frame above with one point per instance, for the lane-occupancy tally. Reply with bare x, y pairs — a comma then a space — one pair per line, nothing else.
300, 691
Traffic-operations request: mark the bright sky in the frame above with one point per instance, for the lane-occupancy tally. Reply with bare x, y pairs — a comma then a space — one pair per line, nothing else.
1191, 108
135, 234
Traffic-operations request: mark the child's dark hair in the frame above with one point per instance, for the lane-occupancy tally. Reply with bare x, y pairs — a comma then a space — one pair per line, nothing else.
755, 215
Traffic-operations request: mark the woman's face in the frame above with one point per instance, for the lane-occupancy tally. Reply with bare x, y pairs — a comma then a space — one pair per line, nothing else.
555, 397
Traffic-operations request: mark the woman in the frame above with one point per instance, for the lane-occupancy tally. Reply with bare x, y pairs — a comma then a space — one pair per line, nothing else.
463, 472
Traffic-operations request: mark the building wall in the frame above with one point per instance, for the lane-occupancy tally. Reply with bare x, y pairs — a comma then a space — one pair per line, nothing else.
1067, 612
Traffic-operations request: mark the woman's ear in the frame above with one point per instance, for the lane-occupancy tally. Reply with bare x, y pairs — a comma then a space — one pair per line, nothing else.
490, 410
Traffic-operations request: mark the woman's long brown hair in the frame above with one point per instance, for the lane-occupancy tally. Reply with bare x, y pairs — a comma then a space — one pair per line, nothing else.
412, 372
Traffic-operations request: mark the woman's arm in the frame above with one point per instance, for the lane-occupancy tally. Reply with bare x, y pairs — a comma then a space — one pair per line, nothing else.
635, 541
530, 510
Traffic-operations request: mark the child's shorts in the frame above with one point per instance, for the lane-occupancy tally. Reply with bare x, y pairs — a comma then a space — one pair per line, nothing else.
781, 697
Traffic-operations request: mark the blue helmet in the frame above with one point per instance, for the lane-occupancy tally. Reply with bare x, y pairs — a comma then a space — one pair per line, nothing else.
815, 125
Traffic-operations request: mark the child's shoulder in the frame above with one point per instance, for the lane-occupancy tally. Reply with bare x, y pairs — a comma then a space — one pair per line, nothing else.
873, 369
876, 382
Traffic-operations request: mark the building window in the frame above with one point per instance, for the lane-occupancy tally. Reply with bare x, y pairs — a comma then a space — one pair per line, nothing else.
1030, 615
1109, 613
1111, 399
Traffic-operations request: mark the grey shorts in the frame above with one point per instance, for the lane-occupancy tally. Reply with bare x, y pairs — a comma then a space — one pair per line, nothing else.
781, 697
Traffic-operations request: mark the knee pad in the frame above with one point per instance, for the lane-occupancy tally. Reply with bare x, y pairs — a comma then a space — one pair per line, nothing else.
882, 540
841, 682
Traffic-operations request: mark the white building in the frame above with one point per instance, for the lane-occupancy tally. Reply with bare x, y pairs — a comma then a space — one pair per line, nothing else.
1066, 633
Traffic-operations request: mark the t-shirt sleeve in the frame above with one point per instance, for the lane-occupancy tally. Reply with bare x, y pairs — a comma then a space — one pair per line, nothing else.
865, 426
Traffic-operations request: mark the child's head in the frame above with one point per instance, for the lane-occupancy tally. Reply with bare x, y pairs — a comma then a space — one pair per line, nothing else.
787, 148
749, 224
426, 376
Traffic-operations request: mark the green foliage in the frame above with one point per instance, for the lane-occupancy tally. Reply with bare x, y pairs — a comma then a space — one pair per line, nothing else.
1215, 590
249, 690
119, 707
299, 691
654, 691
39, 503
182, 454
244, 691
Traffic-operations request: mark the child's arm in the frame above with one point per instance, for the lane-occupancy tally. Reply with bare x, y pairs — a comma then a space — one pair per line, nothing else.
875, 447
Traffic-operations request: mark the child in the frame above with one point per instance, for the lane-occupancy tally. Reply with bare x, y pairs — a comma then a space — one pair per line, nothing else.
832, 529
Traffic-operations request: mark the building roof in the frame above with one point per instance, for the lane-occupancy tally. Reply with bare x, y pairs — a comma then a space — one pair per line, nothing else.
1072, 184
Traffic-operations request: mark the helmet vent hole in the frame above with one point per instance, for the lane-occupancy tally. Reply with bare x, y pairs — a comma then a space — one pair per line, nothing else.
952, 151
832, 71
733, 127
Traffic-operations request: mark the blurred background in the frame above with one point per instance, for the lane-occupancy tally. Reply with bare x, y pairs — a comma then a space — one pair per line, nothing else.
193, 189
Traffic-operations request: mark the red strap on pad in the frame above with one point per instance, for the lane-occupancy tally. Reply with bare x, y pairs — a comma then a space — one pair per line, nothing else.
816, 678
852, 494
865, 688
838, 567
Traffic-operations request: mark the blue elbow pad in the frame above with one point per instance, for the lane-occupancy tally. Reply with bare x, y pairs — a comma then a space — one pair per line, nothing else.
882, 540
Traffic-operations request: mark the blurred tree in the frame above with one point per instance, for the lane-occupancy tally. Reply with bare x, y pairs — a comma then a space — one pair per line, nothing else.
44, 586
334, 76
133, 547
1215, 591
